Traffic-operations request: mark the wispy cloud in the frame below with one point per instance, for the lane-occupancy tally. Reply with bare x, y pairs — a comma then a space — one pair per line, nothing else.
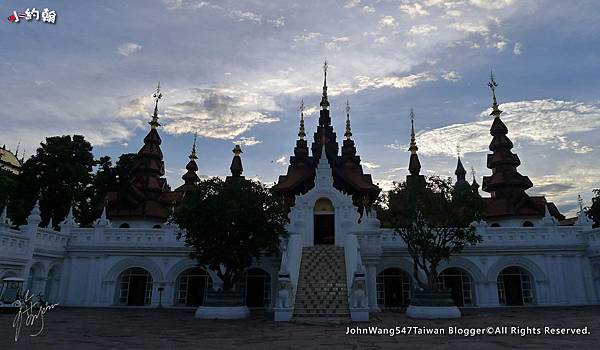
127, 49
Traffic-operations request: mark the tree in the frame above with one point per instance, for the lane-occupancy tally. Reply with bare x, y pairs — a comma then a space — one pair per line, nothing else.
434, 220
230, 223
8, 184
61, 172
109, 178
594, 211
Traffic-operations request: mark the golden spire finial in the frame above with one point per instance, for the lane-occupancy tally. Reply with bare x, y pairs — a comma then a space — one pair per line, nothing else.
237, 150
302, 132
324, 102
193, 154
458, 150
348, 133
413, 139
157, 96
473, 172
493, 85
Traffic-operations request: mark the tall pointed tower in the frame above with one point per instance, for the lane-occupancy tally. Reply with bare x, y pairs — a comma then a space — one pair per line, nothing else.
347, 171
506, 185
148, 196
190, 178
414, 164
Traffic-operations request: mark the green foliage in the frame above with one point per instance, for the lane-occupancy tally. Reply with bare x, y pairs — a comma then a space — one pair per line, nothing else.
230, 223
594, 211
61, 172
434, 220
109, 178
8, 185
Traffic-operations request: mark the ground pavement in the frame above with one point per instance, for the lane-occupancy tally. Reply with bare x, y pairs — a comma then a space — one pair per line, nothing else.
79, 328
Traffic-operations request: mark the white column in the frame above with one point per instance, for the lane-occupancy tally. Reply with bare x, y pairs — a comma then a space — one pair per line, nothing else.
372, 286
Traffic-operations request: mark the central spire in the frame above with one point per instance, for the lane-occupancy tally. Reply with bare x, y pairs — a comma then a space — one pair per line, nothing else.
348, 133
413, 140
157, 96
493, 85
414, 165
236, 163
324, 102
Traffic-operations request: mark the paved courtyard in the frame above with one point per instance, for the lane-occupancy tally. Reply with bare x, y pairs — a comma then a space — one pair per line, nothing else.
75, 328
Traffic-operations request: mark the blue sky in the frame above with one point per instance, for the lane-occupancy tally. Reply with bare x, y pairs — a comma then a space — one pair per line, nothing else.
235, 71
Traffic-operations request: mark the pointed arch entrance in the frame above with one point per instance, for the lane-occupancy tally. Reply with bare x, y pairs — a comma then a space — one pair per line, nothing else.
324, 222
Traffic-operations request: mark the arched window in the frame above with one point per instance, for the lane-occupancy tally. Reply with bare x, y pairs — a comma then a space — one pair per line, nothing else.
495, 224
52, 284
324, 222
515, 287
192, 285
527, 223
257, 287
157, 226
458, 282
124, 225
135, 287
393, 288
35, 277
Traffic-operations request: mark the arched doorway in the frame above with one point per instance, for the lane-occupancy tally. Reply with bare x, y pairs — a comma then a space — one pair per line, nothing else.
324, 222
34, 279
52, 284
515, 287
135, 287
393, 288
458, 282
191, 287
258, 288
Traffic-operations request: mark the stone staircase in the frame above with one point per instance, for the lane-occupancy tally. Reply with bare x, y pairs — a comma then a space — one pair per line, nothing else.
322, 291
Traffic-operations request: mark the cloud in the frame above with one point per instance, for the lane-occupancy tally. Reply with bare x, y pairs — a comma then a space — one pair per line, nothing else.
247, 141
518, 49
277, 22
307, 36
127, 49
451, 76
545, 122
387, 21
370, 165
414, 10
246, 16
422, 29
368, 9
351, 3
492, 4
471, 27
398, 82
282, 160
214, 112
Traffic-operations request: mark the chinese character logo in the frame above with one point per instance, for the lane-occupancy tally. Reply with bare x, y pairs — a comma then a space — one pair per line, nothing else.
47, 16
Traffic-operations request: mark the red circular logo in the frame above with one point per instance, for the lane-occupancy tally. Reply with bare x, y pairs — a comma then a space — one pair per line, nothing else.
12, 18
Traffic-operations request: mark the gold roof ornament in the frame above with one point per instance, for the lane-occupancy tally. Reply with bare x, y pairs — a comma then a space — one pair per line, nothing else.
324, 101
493, 85
413, 139
348, 133
157, 96
302, 131
193, 154
237, 150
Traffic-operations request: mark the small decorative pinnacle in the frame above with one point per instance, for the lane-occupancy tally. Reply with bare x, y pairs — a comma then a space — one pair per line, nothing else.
580, 201
348, 133
236, 164
473, 173
157, 96
302, 131
413, 140
193, 154
493, 85
324, 102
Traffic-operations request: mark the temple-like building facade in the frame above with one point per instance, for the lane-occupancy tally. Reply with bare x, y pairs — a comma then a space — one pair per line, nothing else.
337, 260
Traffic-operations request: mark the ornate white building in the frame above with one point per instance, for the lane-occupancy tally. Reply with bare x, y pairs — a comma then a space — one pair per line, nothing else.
337, 261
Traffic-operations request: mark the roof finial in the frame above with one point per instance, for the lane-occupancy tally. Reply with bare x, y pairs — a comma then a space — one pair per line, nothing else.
493, 85
157, 96
348, 133
302, 131
580, 201
193, 154
458, 150
473, 172
236, 164
324, 102
413, 140
17, 151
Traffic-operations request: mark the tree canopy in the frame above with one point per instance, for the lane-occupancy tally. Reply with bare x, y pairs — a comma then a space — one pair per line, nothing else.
230, 223
594, 211
434, 220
